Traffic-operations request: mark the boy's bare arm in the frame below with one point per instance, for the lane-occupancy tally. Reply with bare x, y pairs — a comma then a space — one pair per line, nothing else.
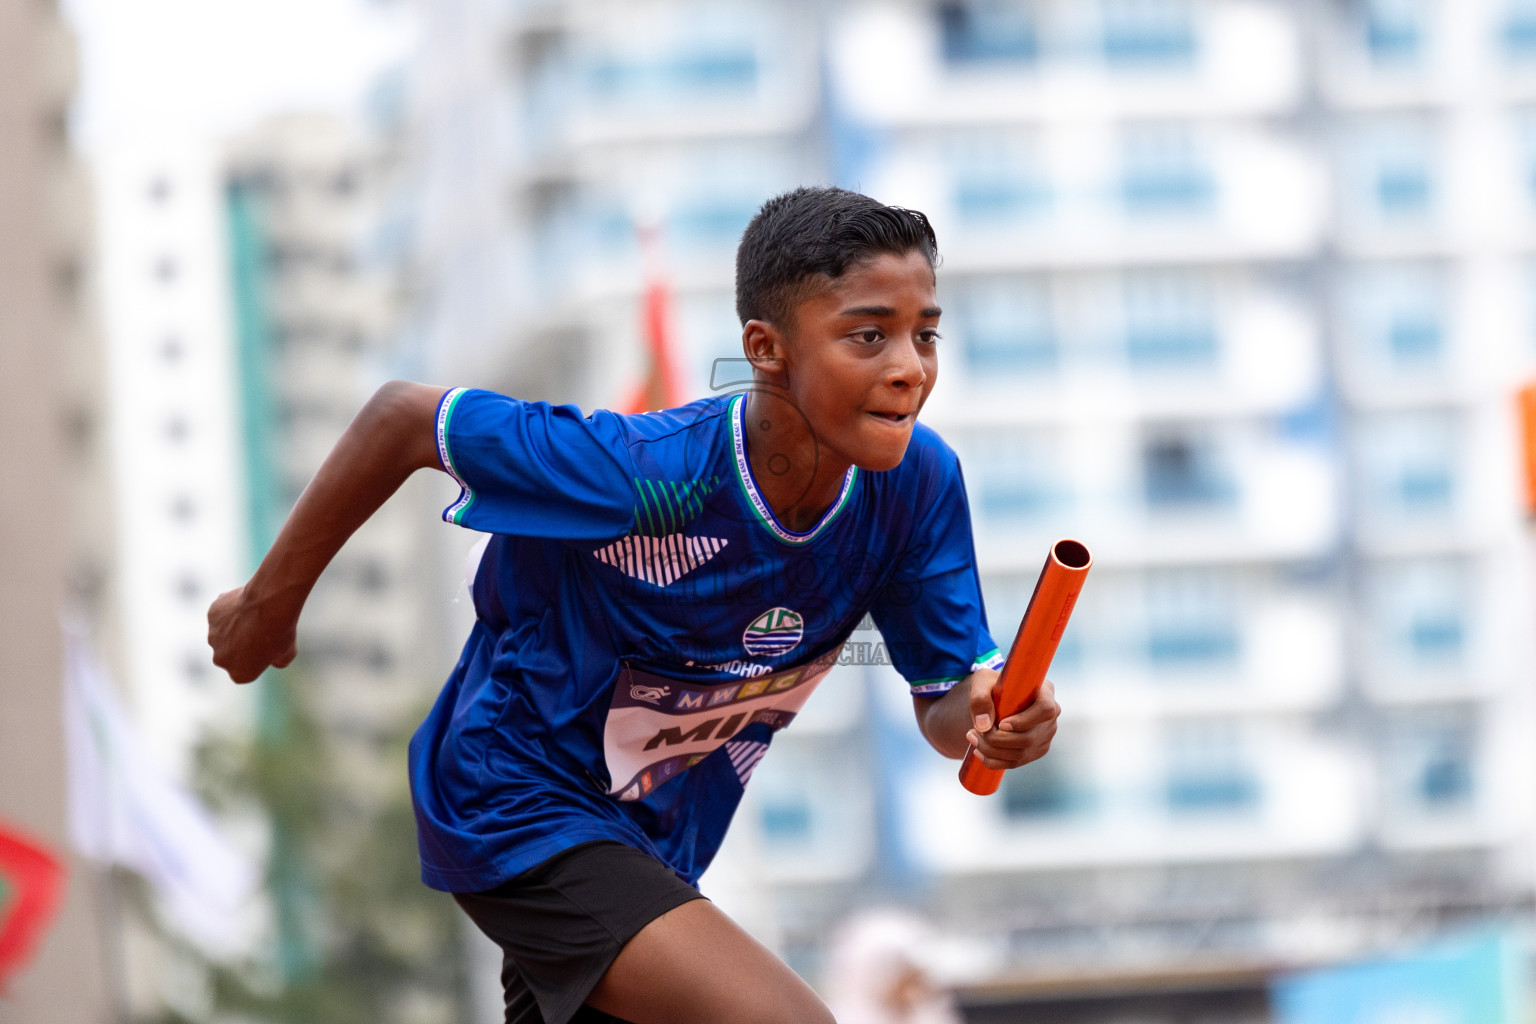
966, 715
254, 626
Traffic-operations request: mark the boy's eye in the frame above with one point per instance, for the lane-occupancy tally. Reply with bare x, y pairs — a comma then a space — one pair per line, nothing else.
868, 336
928, 337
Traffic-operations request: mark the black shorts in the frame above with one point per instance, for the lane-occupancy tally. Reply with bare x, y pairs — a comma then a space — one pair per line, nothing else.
561, 924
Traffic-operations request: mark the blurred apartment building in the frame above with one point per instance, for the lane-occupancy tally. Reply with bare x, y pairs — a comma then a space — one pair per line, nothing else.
1237, 291
244, 335
56, 537
248, 322
175, 433
316, 333
316, 301
177, 513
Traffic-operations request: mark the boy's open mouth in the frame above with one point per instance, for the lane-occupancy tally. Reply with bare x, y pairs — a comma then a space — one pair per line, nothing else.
893, 417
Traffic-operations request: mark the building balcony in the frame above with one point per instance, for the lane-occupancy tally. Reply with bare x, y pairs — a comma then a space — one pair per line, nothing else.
654, 80
1275, 653
1231, 59
1455, 778
1433, 481
809, 813
1093, 197
1085, 348
1442, 628
1121, 796
1153, 496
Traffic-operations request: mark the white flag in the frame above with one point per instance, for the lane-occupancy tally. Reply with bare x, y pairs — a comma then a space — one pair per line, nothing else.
124, 810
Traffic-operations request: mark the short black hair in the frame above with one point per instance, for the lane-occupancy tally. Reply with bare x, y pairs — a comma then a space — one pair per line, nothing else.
811, 232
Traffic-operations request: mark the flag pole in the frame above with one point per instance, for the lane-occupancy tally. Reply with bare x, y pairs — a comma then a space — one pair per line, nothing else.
109, 913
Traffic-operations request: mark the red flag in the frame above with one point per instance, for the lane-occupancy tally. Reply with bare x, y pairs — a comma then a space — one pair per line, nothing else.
33, 880
661, 388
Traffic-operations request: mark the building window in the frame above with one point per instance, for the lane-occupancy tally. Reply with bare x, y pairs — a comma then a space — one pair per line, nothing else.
1170, 321
1052, 787
704, 222
975, 32
1408, 466
1517, 31
1437, 635
197, 666
1402, 186
987, 198
705, 72
996, 179
1141, 33
1525, 142
1395, 316
1209, 769
1391, 176
1184, 471
1419, 615
812, 802
1165, 172
1529, 281
1191, 621
1431, 764
1393, 31
189, 588
1013, 474
786, 822
1006, 325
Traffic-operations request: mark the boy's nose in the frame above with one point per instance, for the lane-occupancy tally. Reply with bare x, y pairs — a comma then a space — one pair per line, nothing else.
905, 368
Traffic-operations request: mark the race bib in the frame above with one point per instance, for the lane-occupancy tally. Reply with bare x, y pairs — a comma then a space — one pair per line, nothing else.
658, 727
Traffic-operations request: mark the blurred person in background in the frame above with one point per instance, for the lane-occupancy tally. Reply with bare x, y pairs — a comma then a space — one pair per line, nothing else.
876, 973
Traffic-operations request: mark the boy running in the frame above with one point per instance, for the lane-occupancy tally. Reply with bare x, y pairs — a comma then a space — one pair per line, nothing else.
659, 595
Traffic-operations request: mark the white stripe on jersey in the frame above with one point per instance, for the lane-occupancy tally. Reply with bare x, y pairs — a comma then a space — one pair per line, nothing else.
660, 561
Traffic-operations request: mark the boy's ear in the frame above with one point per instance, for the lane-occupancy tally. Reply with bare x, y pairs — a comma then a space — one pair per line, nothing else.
763, 344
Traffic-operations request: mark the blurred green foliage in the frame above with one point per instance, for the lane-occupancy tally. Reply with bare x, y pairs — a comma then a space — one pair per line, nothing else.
359, 939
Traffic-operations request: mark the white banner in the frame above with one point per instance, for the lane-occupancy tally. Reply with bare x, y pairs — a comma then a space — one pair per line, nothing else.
124, 810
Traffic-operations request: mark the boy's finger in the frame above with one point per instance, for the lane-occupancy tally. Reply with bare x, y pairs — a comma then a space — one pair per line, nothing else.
1035, 743
981, 700
1001, 740
1042, 709
1006, 761
1029, 746
1030, 717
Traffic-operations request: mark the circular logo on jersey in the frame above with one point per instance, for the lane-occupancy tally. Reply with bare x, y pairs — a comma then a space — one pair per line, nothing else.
776, 631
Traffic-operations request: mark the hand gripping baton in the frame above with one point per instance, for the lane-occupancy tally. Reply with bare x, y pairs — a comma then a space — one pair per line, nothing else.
1033, 648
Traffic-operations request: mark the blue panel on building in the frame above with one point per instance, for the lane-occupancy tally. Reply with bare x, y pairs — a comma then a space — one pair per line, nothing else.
1476, 979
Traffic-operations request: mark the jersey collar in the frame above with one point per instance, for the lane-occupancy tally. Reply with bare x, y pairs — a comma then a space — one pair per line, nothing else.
760, 507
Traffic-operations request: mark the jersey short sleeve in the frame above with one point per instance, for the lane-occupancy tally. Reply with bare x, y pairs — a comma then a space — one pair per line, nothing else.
930, 613
533, 469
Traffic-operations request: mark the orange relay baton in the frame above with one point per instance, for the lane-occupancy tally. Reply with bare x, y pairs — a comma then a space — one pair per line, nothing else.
1033, 648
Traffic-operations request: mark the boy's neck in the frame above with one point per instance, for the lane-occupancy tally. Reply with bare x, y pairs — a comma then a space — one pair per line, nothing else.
798, 478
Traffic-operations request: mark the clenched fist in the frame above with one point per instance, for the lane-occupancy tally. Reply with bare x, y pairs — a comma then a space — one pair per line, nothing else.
248, 635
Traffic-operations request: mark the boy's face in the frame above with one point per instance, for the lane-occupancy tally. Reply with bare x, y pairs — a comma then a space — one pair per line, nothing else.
862, 357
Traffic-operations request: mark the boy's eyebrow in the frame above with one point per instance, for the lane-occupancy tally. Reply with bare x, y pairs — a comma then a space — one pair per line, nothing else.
928, 311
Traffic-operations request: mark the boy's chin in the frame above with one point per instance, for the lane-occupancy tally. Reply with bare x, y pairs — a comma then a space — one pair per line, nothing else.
879, 458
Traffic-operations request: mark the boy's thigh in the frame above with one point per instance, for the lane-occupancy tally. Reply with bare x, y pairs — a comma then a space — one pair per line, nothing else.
695, 964
561, 924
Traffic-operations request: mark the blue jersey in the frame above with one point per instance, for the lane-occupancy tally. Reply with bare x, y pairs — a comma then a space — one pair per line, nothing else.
645, 625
